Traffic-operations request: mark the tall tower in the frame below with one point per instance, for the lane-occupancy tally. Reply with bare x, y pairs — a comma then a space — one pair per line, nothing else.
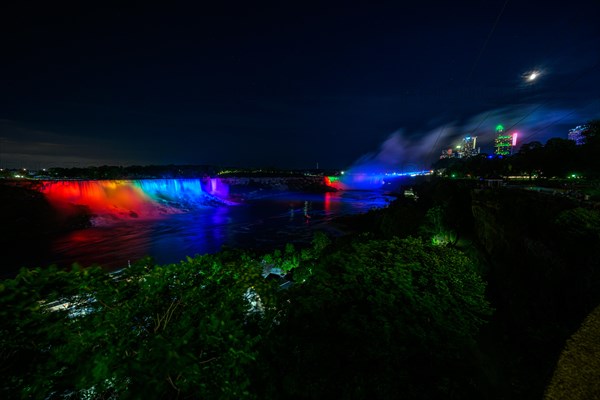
503, 142
468, 146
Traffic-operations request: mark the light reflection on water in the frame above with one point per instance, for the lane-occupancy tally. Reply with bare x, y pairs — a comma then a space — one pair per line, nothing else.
288, 217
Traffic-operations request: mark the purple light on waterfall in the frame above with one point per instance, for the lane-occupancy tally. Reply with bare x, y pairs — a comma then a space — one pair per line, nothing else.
218, 188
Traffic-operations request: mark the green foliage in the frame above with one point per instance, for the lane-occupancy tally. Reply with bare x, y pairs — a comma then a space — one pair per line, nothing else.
320, 242
377, 318
580, 224
436, 227
390, 316
401, 218
151, 332
449, 216
298, 262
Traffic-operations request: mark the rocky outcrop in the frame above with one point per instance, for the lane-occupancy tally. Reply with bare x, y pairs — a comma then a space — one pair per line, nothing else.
542, 273
577, 375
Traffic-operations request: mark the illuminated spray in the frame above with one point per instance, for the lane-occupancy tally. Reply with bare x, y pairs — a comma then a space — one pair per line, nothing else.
399, 155
399, 151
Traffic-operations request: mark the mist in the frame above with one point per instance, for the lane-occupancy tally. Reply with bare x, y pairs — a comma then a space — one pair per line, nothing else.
408, 151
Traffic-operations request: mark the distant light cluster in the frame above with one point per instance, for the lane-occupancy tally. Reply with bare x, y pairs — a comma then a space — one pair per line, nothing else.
576, 134
504, 144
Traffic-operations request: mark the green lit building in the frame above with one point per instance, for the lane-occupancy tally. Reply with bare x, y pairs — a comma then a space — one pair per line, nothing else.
503, 142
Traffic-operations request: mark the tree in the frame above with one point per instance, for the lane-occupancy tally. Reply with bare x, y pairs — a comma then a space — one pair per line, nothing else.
558, 158
378, 318
528, 159
152, 332
591, 148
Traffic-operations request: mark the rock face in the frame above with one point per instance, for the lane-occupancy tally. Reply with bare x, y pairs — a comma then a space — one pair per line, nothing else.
543, 253
577, 375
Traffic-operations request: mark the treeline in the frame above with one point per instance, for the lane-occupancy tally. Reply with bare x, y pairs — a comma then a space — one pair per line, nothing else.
158, 172
133, 172
557, 158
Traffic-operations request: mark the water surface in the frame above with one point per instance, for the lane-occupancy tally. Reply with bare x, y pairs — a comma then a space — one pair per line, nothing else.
259, 223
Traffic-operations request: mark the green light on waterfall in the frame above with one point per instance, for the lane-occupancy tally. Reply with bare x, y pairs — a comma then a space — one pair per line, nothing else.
499, 128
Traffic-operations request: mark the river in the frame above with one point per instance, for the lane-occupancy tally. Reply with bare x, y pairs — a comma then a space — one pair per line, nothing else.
259, 223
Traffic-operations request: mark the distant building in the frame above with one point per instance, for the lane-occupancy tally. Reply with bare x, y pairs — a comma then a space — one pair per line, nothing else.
576, 134
466, 149
503, 142
469, 146
447, 153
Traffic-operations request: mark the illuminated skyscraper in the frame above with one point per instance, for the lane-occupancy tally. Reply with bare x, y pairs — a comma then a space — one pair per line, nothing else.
503, 142
468, 147
576, 134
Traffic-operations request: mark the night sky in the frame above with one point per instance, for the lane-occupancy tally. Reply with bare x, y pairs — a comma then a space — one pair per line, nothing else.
288, 85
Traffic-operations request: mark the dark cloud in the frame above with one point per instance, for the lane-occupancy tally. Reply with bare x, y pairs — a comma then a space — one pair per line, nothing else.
22, 146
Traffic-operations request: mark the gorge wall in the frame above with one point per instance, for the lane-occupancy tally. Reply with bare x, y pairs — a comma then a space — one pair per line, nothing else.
542, 256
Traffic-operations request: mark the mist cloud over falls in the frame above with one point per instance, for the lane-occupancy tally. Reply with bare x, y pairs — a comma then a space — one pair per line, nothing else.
405, 151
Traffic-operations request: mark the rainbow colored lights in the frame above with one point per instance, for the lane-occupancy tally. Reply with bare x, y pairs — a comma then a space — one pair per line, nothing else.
146, 198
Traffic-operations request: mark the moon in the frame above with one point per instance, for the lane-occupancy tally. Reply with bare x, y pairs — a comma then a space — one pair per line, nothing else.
533, 76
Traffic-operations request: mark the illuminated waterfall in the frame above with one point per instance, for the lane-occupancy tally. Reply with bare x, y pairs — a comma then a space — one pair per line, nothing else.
147, 198
218, 188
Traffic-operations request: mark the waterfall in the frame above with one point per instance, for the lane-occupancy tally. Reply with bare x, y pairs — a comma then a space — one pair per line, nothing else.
145, 198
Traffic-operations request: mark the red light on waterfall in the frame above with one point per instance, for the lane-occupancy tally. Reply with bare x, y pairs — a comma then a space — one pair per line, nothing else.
334, 182
101, 197
327, 202
514, 139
